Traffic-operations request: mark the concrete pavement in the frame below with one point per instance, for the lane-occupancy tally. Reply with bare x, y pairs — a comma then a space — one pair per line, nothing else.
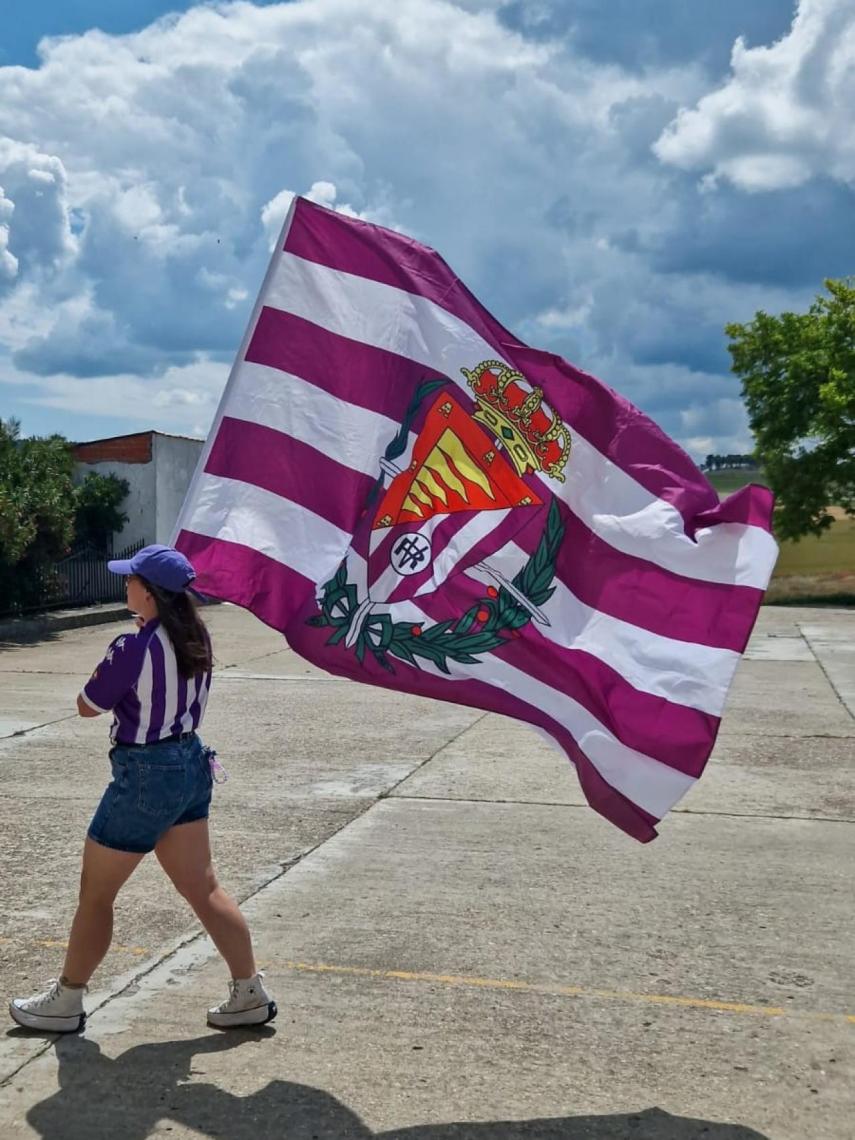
461, 949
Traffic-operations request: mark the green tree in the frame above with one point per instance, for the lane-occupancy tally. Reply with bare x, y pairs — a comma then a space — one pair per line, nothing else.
798, 382
42, 513
37, 508
99, 499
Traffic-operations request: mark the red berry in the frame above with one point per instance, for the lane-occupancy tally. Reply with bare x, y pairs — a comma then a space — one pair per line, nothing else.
416, 631
482, 615
492, 592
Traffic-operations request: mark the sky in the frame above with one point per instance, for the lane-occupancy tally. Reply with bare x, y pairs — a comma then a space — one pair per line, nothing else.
614, 179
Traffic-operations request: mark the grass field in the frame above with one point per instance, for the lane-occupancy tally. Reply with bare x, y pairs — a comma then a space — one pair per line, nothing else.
726, 482
813, 569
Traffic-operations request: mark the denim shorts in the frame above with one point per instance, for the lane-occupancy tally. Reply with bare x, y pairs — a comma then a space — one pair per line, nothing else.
154, 787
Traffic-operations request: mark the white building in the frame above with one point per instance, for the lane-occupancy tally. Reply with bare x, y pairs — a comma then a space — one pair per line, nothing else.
158, 469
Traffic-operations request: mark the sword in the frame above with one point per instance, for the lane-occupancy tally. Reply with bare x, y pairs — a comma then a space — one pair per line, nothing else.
391, 469
516, 594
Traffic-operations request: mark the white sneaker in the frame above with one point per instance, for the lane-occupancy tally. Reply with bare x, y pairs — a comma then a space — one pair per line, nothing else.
249, 1003
58, 1010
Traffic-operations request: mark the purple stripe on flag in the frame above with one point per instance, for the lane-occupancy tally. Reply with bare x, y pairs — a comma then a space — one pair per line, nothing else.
645, 595
311, 643
180, 706
369, 377
502, 533
236, 573
614, 426
288, 467
158, 690
366, 250
602, 797
751, 505
603, 577
675, 735
443, 535
379, 558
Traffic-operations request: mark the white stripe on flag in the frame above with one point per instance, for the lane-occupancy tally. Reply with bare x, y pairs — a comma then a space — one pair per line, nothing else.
266, 522
478, 527
389, 578
353, 436
608, 500
645, 781
684, 672
649, 783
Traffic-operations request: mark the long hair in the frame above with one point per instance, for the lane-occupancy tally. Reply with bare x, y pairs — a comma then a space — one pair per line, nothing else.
180, 618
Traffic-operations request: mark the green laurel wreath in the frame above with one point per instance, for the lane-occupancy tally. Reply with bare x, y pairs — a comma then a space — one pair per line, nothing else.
491, 622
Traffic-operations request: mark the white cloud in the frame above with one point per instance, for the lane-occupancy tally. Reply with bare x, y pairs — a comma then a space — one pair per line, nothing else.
568, 317
8, 261
274, 212
146, 177
186, 395
35, 226
784, 115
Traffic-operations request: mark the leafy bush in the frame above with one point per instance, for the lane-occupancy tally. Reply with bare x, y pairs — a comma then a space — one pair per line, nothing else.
98, 517
42, 513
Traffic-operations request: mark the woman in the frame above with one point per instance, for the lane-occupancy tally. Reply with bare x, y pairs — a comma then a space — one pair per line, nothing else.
156, 684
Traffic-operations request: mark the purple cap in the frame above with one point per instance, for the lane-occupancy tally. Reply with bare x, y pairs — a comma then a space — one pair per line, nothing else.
161, 565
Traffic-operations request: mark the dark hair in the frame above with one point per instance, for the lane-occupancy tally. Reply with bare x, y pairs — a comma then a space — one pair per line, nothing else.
180, 618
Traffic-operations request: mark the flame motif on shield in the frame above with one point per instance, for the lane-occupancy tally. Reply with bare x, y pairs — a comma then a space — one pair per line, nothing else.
458, 499
455, 467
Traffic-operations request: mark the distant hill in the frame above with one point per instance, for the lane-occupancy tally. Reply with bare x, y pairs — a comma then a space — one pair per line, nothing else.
725, 482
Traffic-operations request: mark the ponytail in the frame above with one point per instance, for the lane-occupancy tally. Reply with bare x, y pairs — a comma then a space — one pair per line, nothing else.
180, 618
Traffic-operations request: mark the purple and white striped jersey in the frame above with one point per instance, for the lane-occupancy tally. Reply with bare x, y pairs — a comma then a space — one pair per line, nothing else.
138, 681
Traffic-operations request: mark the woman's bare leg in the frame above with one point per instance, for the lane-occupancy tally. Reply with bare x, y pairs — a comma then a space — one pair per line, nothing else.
104, 873
185, 854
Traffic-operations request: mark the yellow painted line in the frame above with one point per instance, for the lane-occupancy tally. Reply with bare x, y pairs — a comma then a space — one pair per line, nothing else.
506, 984
564, 991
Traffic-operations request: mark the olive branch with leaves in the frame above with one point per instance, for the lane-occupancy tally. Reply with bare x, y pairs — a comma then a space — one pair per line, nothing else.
491, 622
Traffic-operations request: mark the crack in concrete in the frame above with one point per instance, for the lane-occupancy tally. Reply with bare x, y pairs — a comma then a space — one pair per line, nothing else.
36, 727
47, 672
388, 793
827, 676
586, 807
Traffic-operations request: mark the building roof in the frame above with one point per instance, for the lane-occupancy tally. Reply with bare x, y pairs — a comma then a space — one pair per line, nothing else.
135, 447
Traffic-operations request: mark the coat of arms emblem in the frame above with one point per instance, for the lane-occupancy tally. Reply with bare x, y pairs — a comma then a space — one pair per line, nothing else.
448, 497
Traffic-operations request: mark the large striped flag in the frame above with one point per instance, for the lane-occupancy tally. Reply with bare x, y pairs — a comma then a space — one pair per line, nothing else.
419, 501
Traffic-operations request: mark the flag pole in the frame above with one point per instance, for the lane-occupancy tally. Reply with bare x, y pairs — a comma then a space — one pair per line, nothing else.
239, 358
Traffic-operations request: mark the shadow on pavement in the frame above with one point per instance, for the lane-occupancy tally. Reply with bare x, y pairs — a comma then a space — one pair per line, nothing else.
123, 1099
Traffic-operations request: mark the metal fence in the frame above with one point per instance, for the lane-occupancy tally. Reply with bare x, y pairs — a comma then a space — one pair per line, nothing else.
81, 579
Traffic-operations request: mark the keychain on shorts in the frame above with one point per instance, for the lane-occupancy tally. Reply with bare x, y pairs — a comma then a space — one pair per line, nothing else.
218, 772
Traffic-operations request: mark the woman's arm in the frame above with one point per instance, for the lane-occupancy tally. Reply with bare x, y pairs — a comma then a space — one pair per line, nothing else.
84, 709
117, 673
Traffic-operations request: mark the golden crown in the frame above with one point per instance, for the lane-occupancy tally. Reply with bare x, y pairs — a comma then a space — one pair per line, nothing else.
533, 435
